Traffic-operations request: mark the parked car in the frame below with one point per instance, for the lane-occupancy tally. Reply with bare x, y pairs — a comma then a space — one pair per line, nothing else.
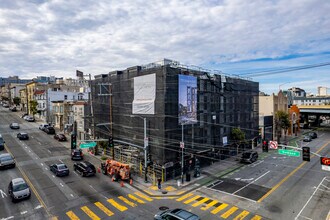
25, 114
14, 126
13, 108
307, 138
23, 136
60, 137
43, 126
249, 157
176, 214
2, 143
29, 118
59, 169
313, 135
84, 168
77, 154
49, 130
5, 105
6, 160
18, 189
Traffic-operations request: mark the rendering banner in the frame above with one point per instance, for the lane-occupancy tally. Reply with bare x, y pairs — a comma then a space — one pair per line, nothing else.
187, 99
144, 94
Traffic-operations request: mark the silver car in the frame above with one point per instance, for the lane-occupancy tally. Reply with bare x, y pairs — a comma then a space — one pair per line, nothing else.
6, 160
177, 214
18, 190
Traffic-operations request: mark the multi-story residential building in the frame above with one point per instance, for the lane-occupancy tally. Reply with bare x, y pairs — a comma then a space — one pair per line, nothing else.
31, 88
81, 111
23, 98
179, 104
297, 92
268, 106
322, 91
14, 91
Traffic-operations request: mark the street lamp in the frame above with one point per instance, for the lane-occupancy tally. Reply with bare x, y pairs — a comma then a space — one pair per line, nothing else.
145, 146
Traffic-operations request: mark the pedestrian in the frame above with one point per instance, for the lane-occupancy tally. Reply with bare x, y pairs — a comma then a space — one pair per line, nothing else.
159, 183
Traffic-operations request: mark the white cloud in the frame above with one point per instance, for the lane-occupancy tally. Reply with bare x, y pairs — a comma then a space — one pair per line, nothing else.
60, 36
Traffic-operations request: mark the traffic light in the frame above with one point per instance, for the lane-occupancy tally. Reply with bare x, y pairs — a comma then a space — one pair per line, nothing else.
73, 141
111, 145
265, 146
306, 154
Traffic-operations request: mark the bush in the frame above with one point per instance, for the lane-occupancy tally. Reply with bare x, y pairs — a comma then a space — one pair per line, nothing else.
104, 157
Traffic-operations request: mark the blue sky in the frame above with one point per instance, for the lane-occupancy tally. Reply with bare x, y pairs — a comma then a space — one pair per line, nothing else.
56, 37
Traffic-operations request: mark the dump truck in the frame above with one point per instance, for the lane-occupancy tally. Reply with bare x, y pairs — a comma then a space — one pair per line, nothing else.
117, 170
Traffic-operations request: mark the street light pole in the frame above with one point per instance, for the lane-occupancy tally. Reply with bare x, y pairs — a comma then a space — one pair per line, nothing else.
145, 149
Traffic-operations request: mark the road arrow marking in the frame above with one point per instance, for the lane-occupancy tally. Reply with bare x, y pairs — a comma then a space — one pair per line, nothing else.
3, 193
24, 212
38, 207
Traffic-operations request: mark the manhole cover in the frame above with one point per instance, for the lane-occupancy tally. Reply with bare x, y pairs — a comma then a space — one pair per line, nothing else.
162, 208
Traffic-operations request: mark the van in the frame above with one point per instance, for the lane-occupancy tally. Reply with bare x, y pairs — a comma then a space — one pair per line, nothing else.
2, 143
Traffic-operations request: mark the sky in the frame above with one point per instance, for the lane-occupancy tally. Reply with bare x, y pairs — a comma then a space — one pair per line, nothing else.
236, 37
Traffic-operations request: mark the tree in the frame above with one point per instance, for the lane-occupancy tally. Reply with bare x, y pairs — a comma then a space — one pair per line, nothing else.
282, 122
238, 137
33, 107
17, 100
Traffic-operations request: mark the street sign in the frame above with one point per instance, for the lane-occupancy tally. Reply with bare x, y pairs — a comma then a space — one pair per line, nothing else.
87, 145
146, 142
290, 153
182, 144
273, 145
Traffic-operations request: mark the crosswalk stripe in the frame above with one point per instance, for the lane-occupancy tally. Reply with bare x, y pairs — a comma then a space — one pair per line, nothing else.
127, 201
200, 202
191, 199
117, 205
184, 197
209, 205
256, 217
229, 212
242, 215
103, 208
143, 196
219, 208
90, 213
72, 216
135, 199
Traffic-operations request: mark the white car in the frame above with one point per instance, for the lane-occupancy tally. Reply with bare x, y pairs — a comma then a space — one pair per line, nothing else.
43, 126
26, 116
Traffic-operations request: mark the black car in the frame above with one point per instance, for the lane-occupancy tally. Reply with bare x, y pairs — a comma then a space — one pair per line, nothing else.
77, 154
23, 136
313, 135
50, 130
59, 169
60, 137
249, 157
84, 168
14, 126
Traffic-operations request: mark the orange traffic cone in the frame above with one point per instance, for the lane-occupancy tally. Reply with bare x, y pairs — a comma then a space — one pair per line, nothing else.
131, 181
122, 183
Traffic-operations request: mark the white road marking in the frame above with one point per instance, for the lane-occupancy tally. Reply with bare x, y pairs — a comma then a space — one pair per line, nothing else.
247, 179
325, 186
49, 151
251, 182
25, 146
3, 194
105, 197
306, 217
53, 176
10, 217
71, 195
61, 184
39, 143
231, 194
29, 151
92, 187
42, 164
46, 168
310, 198
38, 207
24, 212
61, 161
257, 163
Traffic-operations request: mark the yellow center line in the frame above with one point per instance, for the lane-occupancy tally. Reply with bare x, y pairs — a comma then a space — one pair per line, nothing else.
242, 215
31, 185
229, 212
127, 201
200, 202
103, 208
117, 205
219, 208
90, 213
290, 174
209, 205
184, 197
143, 196
190, 200
72, 216
135, 199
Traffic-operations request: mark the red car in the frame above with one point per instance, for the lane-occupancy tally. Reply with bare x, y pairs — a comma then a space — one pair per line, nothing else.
60, 137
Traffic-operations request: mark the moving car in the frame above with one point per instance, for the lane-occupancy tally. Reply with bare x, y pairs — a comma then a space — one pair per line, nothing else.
43, 126
2, 143
14, 126
313, 135
176, 214
29, 118
49, 130
18, 190
249, 157
23, 136
77, 154
6, 160
307, 138
84, 168
60, 137
59, 169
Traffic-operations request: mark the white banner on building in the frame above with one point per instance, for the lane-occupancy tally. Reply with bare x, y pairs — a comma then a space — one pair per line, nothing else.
144, 94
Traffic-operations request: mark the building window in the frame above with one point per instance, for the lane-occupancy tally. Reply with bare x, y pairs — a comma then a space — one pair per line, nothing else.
65, 97
61, 109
